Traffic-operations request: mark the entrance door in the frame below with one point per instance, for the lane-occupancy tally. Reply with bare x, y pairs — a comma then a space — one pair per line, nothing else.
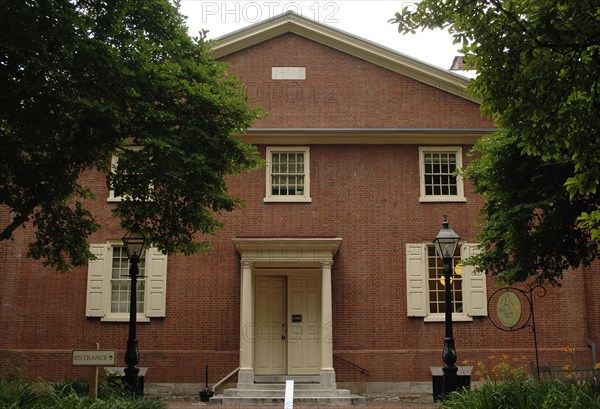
287, 318
304, 325
270, 347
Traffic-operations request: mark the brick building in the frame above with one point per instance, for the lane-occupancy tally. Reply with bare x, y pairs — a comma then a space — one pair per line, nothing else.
328, 271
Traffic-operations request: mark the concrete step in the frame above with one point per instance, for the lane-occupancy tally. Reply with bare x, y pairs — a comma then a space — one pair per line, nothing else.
258, 400
281, 386
282, 378
280, 393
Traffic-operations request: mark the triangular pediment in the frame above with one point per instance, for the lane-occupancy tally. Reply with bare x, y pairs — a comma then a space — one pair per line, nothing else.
347, 43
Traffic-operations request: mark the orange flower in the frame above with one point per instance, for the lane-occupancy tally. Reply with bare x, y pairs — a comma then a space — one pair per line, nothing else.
570, 375
504, 356
569, 350
466, 362
597, 366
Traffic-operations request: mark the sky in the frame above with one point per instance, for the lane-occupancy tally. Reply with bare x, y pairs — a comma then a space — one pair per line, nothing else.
363, 18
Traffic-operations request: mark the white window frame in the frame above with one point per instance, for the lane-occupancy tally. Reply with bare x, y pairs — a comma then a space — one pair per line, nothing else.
114, 162
98, 301
460, 192
303, 198
417, 285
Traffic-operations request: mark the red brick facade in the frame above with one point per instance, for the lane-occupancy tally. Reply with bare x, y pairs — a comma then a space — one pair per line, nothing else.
367, 194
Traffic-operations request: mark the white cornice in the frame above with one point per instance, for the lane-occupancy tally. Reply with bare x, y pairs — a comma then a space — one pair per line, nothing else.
345, 42
325, 136
287, 250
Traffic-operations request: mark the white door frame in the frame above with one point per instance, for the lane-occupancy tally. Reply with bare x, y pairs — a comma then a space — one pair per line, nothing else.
282, 253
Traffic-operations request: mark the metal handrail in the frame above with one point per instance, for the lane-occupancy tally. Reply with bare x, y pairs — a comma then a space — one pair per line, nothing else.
362, 370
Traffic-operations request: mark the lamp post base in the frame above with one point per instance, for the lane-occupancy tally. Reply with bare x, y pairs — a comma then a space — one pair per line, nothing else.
132, 379
450, 379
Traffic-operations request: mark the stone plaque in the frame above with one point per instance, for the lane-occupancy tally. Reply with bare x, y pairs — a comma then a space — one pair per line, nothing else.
288, 73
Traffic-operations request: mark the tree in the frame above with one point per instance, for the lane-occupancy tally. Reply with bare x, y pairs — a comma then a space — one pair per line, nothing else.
538, 72
83, 79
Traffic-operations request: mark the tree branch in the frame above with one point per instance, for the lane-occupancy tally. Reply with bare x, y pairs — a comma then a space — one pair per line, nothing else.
17, 221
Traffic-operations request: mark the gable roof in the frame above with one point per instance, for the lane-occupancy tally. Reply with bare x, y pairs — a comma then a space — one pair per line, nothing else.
291, 22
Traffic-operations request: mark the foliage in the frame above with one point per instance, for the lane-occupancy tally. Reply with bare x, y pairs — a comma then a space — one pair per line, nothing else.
530, 220
82, 79
503, 367
16, 394
79, 386
538, 73
524, 393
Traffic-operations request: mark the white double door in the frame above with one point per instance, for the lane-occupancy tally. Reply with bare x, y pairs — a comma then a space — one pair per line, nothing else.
287, 320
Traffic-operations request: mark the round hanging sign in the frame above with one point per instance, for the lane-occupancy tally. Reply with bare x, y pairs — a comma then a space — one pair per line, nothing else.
509, 309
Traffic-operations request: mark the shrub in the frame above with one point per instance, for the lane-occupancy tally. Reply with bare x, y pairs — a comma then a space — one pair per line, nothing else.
17, 394
524, 393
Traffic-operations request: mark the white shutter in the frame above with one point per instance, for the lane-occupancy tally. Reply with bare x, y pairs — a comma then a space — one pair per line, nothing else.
156, 283
97, 283
416, 281
475, 284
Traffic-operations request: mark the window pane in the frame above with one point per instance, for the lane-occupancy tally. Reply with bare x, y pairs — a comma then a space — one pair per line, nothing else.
120, 283
287, 176
438, 173
437, 284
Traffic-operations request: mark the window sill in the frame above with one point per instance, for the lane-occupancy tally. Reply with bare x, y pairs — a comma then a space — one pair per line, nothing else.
288, 199
442, 318
442, 199
120, 318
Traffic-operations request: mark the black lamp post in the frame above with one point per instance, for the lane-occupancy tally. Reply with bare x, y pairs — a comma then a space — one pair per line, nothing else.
445, 246
135, 243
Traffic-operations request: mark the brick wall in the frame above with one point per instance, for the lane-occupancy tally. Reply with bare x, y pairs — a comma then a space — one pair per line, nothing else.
342, 91
365, 194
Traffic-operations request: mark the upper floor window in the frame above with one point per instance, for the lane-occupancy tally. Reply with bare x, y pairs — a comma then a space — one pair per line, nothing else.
439, 181
114, 162
426, 286
109, 284
288, 174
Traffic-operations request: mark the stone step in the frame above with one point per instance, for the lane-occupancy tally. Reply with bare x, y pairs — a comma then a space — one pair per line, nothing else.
282, 378
258, 400
281, 386
280, 393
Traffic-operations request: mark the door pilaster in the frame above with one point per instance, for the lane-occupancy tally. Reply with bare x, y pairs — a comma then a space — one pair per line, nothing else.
246, 374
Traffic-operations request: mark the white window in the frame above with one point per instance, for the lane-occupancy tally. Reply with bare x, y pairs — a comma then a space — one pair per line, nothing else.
439, 183
114, 161
426, 287
109, 285
288, 175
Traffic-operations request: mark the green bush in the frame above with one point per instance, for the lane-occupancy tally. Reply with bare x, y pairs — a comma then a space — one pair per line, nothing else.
17, 394
524, 393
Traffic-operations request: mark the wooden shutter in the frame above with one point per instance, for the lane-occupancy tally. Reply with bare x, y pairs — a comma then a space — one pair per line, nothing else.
156, 283
97, 283
475, 284
416, 280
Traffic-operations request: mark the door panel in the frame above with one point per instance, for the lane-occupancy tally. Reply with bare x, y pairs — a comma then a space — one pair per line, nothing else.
270, 325
304, 316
